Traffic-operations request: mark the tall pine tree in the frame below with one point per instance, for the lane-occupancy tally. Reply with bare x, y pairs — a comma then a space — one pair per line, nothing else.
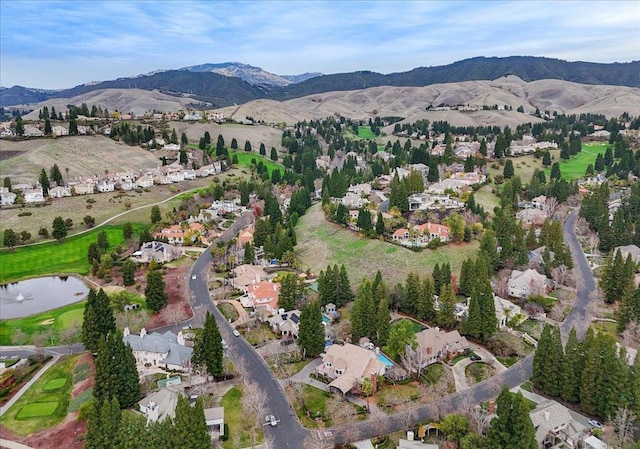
311, 331
98, 320
207, 348
116, 373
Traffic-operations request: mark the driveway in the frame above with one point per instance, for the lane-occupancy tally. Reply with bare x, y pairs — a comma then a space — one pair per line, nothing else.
243, 316
459, 369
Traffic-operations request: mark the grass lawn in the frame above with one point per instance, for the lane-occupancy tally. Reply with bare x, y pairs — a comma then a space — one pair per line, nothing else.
240, 429
37, 410
432, 374
58, 319
415, 326
228, 311
477, 372
576, 166
55, 384
364, 132
314, 403
70, 256
606, 327
523, 166
321, 243
40, 408
244, 160
486, 198
389, 396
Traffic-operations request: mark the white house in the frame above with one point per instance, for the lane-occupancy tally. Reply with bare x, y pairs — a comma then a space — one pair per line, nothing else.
526, 283
145, 181
7, 198
163, 350
34, 195
105, 186
59, 192
505, 310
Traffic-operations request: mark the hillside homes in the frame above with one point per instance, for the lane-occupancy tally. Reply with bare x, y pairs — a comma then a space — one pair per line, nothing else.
523, 284
421, 235
179, 235
262, 296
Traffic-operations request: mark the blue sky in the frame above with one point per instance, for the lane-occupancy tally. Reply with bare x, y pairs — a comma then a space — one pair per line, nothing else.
52, 44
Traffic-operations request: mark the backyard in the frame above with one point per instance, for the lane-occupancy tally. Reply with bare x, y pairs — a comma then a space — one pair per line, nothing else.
321, 243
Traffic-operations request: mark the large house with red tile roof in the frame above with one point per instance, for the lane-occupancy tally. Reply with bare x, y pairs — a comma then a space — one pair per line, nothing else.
177, 235
421, 235
264, 295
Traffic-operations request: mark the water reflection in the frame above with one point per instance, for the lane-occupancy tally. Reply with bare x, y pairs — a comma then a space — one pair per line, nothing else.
24, 298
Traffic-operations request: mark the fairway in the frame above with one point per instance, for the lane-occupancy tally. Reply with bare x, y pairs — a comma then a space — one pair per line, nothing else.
37, 410
58, 319
364, 132
321, 243
576, 166
244, 160
55, 384
70, 256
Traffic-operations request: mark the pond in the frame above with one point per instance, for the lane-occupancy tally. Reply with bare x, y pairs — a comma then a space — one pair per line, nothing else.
24, 298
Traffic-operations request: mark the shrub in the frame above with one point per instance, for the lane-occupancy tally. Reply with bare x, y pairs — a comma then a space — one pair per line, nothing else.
24, 214
85, 409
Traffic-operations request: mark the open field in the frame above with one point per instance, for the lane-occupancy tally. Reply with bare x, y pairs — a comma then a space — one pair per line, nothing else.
244, 160
321, 243
524, 166
486, 198
576, 166
70, 256
364, 132
40, 407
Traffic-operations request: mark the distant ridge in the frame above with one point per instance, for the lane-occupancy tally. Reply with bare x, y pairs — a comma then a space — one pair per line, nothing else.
201, 84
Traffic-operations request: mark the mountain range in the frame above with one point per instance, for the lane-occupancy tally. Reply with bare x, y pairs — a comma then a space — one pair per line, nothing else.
230, 84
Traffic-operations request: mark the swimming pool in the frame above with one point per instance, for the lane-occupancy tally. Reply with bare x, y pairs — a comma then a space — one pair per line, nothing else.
326, 319
384, 359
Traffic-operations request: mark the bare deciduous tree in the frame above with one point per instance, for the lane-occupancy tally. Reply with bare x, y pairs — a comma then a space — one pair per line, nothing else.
19, 338
624, 424
559, 274
477, 415
173, 314
319, 439
254, 400
550, 206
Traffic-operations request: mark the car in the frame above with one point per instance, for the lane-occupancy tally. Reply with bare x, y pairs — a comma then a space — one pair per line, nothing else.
595, 423
194, 276
270, 420
236, 333
475, 357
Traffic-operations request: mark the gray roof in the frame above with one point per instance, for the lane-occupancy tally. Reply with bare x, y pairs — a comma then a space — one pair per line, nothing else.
161, 343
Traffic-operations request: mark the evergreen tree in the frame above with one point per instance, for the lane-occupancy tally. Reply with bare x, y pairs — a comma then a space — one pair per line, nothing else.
489, 321
424, 308
103, 425
44, 182
413, 294
207, 348
221, 150
55, 175
472, 325
467, 272
102, 242
249, 253
513, 428
134, 433
489, 250
234, 144
98, 320
127, 230
383, 322
547, 361
362, 324
156, 216
571, 369
508, 170
291, 290
128, 270
311, 331
189, 425
364, 221
155, 296
447, 301
555, 171
380, 224
274, 155
93, 253
343, 291
116, 373
262, 150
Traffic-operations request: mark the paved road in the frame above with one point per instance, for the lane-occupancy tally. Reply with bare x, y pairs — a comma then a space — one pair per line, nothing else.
579, 317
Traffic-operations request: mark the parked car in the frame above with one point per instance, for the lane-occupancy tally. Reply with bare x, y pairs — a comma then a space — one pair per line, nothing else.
595, 423
271, 420
286, 342
194, 276
475, 357
236, 332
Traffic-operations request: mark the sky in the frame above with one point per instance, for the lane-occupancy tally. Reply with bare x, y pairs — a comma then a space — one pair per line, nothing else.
54, 45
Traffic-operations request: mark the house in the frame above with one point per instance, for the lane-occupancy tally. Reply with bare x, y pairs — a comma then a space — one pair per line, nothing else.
214, 418
145, 181
531, 216
438, 345
523, 284
22, 187
629, 250
176, 235
264, 295
166, 350
505, 310
538, 255
160, 404
427, 201
245, 236
7, 198
469, 178
34, 195
84, 188
353, 201
59, 192
189, 174
59, 131
539, 202
127, 184
420, 168
434, 230
32, 131
171, 147
287, 323
244, 275
158, 251
446, 185
346, 365
555, 427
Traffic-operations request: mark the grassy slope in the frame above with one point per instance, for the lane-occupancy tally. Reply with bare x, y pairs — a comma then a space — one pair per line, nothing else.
321, 243
576, 166
70, 256
244, 159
